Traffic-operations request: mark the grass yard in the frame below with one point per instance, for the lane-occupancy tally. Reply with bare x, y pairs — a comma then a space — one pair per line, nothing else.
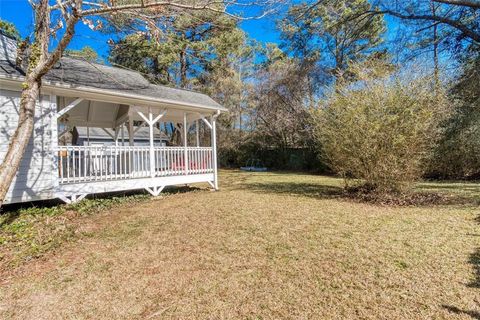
267, 246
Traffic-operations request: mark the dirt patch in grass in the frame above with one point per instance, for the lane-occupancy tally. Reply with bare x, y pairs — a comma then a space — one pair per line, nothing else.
247, 252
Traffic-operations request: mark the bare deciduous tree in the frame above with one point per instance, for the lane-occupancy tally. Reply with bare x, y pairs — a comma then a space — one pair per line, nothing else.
281, 116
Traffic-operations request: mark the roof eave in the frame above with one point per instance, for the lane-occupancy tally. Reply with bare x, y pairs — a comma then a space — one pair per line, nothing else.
110, 95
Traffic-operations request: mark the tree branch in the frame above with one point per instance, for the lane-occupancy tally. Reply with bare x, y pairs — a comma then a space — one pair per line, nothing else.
465, 3
453, 23
141, 5
472, 34
53, 57
209, 5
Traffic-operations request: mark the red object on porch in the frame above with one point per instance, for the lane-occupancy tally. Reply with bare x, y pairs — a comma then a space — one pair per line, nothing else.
193, 165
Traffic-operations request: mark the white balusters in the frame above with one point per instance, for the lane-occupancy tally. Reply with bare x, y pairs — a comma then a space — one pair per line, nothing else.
102, 163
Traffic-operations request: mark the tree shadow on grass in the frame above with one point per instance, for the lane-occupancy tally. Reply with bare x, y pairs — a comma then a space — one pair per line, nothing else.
468, 192
9, 218
310, 190
474, 260
322, 191
471, 313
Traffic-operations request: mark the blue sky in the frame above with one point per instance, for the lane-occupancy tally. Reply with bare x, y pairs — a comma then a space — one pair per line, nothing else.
19, 12
263, 30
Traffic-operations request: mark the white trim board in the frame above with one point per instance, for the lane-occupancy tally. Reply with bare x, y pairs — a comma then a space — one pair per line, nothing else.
129, 184
61, 89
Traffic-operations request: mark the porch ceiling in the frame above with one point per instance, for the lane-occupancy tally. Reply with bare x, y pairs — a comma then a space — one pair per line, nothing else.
110, 115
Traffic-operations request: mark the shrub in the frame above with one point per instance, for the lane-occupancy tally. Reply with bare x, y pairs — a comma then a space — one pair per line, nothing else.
379, 129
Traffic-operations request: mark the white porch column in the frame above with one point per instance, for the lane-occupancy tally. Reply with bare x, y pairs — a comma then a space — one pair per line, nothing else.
214, 151
151, 122
197, 132
130, 131
88, 135
185, 142
117, 131
152, 150
54, 145
123, 134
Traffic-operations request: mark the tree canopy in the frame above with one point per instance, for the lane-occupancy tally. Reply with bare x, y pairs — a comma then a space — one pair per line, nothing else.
87, 53
324, 32
185, 50
9, 29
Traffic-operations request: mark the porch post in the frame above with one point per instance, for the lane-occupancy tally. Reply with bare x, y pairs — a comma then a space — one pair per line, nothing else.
151, 122
152, 150
116, 135
54, 145
130, 131
214, 151
123, 134
88, 135
197, 132
185, 142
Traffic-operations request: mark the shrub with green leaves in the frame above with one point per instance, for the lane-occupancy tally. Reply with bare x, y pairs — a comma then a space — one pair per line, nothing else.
379, 129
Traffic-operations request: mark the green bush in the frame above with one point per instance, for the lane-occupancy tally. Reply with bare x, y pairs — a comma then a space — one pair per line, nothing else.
380, 129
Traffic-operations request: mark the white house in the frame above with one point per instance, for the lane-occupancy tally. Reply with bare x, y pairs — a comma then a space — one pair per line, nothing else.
76, 93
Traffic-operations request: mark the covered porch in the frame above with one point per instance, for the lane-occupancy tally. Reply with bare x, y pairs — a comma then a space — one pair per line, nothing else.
123, 165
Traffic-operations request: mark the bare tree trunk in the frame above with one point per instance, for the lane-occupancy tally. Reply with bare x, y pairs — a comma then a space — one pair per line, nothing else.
19, 142
40, 61
183, 69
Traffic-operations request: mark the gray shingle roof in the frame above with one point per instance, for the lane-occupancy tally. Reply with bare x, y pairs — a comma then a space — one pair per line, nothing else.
82, 73
77, 72
7, 67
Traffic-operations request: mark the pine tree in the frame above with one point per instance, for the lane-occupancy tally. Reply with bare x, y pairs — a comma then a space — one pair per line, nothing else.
326, 32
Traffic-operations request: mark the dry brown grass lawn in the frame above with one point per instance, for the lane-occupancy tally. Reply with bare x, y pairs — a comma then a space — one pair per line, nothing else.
267, 246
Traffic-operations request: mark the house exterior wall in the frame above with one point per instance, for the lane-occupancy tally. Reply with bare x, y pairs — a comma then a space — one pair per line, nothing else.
34, 180
8, 48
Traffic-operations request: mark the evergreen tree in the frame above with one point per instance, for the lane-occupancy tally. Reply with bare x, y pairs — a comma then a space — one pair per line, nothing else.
325, 32
87, 53
184, 49
9, 29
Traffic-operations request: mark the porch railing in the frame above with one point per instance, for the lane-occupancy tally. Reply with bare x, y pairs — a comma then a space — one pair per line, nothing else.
103, 163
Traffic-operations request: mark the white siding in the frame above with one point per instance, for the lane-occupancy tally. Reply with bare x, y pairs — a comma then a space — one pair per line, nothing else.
8, 48
34, 180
